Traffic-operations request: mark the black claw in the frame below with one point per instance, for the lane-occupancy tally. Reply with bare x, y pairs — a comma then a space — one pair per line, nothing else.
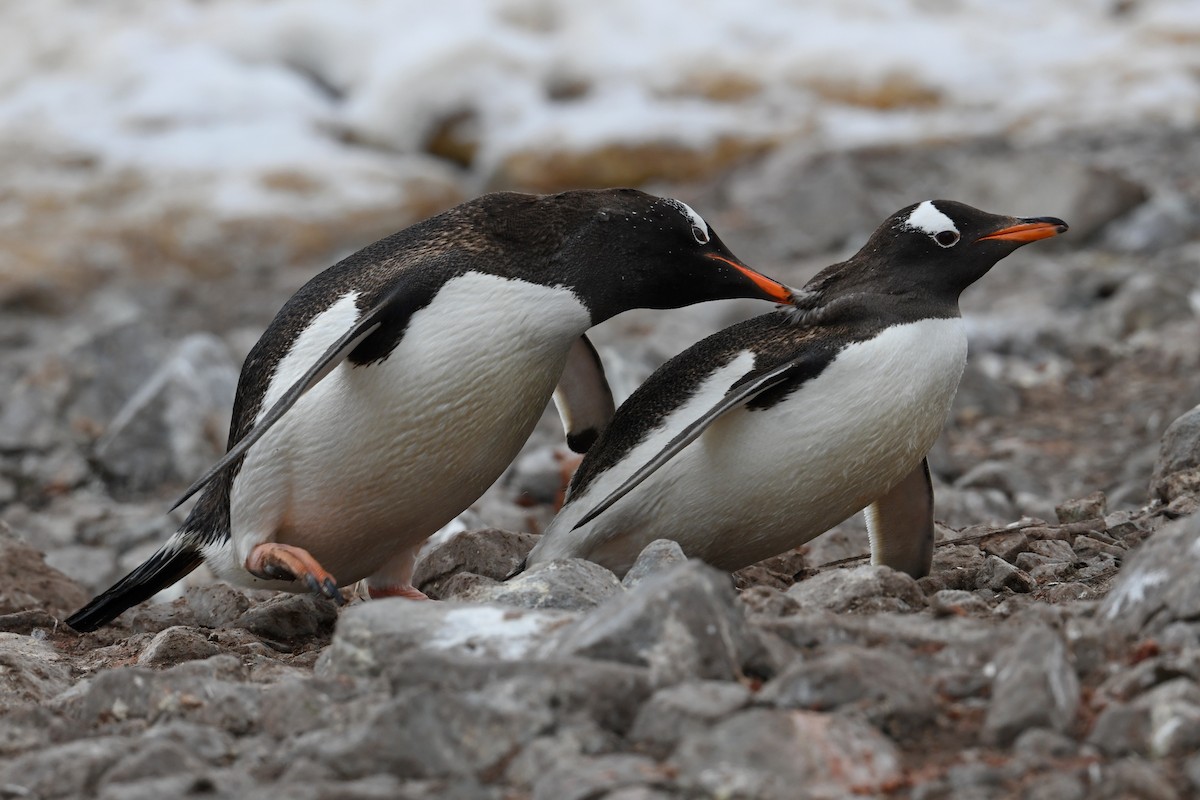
331, 591
313, 584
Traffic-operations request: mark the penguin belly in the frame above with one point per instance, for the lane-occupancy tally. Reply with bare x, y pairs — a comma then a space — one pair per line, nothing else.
377, 457
760, 482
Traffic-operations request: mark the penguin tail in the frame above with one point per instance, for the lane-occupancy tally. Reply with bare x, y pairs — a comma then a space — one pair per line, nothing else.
171, 562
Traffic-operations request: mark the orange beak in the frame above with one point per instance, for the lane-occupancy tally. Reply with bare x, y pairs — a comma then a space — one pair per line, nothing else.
1028, 230
774, 290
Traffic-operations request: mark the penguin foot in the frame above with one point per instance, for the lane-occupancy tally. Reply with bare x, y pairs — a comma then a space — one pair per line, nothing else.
283, 562
411, 592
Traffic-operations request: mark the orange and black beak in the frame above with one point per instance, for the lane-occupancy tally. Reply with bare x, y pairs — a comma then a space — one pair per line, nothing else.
771, 289
1026, 230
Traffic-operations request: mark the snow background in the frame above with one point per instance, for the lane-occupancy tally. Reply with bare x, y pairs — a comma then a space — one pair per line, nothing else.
211, 99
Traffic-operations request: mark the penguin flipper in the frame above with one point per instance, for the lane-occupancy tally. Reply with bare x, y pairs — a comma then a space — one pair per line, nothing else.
169, 563
334, 355
900, 524
741, 393
583, 397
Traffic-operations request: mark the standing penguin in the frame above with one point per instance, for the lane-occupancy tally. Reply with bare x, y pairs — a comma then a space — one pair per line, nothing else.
766, 434
395, 386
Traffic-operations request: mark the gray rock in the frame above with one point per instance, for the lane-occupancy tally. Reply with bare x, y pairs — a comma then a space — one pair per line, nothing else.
204, 692
290, 617
1121, 729
153, 759
1177, 471
1053, 550
1035, 686
216, 605
658, 556
586, 778
950, 602
1133, 777
997, 574
1094, 506
491, 552
29, 582
175, 645
828, 192
571, 584
373, 635
683, 624
1157, 586
1173, 709
30, 670
884, 686
173, 425
676, 711
863, 589
425, 733
65, 770
1005, 544
765, 754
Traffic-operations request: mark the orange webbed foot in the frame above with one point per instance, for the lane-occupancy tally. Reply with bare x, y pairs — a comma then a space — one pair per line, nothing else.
283, 562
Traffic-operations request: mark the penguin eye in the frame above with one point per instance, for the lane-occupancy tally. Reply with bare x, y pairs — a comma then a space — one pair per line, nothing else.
946, 238
699, 234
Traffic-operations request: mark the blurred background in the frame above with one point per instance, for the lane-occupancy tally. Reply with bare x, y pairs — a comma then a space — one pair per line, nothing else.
175, 169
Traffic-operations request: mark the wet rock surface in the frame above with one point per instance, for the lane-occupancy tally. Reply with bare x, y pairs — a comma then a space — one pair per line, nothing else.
1053, 651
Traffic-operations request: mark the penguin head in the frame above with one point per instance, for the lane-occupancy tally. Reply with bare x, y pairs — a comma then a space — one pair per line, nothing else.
628, 249
937, 247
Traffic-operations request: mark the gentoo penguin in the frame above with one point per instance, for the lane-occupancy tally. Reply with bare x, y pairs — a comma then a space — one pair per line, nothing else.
398, 384
768, 433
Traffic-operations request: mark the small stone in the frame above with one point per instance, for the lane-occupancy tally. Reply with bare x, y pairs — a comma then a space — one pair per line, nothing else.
1094, 506
175, 645
1157, 585
862, 589
30, 670
584, 778
1177, 471
683, 624
956, 602
1174, 711
675, 711
290, 618
1035, 686
216, 605
884, 686
1005, 544
997, 574
30, 583
658, 556
1121, 729
769, 754
1088, 547
1053, 550
153, 759
571, 584
1133, 777
490, 552
374, 635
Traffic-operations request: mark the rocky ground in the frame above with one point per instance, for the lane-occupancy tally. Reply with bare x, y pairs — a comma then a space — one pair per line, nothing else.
1054, 652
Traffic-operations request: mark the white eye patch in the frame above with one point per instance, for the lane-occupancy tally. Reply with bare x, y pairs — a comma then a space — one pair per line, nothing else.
699, 226
927, 219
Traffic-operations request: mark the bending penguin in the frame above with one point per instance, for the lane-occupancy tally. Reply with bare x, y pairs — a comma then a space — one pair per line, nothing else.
770, 432
398, 384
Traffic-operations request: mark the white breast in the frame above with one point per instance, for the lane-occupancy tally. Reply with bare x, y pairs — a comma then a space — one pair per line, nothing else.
378, 457
758, 483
